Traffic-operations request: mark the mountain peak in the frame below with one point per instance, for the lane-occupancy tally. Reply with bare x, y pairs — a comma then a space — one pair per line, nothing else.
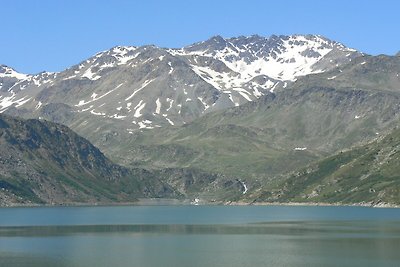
150, 87
283, 57
9, 72
217, 38
216, 42
5, 69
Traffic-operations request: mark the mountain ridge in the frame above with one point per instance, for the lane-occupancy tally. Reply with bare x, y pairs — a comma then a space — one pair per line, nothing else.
46, 163
315, 117
221, 117
174, 85
43, 163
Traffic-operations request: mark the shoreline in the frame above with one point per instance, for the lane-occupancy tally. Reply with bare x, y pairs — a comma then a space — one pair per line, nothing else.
188, 202
319, 204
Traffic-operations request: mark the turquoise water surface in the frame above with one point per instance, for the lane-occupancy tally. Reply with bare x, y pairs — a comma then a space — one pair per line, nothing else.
149, 236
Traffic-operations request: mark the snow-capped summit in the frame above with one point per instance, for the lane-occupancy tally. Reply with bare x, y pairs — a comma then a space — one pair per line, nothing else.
128, 88
282, 58
7, 72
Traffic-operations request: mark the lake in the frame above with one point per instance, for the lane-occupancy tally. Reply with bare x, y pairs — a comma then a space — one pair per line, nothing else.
175, 236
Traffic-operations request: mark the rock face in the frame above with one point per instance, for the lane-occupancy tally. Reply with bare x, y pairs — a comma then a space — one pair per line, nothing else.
43, 162
129, 88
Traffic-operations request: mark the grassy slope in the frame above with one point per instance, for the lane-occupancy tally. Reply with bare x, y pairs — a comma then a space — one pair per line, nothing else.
255, 142
43, 162
370, 173
258, 138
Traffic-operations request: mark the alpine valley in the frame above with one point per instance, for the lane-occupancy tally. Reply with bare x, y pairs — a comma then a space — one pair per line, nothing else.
282, 119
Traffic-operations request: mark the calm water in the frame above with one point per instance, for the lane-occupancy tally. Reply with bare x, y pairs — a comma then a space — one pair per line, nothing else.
174, 236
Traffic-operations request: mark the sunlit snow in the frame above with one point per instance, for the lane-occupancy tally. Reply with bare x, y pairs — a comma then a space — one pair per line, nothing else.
147, 82
158, 106
138, 108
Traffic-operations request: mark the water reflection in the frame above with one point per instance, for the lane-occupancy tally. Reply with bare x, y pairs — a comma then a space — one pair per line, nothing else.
325, 243
293, 229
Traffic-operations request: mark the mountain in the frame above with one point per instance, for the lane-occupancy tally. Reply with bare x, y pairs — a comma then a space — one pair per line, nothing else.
369, 174
47, 163
223, 119
316, 116
128, 88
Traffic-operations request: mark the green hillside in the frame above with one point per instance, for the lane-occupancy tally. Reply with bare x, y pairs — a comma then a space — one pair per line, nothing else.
366, 174
47, 163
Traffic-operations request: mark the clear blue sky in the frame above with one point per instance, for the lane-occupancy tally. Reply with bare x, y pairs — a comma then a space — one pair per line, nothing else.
52, 35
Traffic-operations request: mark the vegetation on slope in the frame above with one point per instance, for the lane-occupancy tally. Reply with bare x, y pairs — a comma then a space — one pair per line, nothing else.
366, 174
43, 162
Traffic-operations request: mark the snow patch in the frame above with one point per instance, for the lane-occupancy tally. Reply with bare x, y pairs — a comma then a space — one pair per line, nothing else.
145, 124
128, 106
10, 100
267, 84
231, 99
90, 75
107, 65
116, 116
206, 106
158, 106
86, 109
97, 113
169, 121
243, 93
39, 104
70, 77
171, 68
257, 93
147, 82
273, 88
95, 98
171, 102
138, 109
208, 75
245, 189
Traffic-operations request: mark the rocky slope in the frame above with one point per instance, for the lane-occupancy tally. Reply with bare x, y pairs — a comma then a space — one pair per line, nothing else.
128, 88
224, 119
313, 118
47, 163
